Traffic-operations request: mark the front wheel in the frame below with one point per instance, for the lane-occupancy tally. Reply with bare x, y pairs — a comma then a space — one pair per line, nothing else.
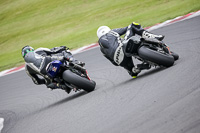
175, 55
154, 56
78, 81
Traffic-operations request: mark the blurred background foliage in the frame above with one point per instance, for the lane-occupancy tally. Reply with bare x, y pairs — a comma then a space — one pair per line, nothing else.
73, 23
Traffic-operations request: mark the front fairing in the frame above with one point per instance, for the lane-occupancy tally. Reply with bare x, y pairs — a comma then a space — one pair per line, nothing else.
53, 68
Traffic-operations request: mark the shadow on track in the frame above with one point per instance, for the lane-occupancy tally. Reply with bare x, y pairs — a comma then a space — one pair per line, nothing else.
150, 72
58, 103
65, 100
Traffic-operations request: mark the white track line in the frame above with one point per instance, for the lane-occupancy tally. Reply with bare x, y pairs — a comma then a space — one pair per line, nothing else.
1, 124
192, 14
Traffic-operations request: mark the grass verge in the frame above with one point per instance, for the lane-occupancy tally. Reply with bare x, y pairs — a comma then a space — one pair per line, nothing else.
50, 23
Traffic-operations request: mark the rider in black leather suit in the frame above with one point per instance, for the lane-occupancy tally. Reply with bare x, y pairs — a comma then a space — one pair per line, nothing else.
111, 45
37, 61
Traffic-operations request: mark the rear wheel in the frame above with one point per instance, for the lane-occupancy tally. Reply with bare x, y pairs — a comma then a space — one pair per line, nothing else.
80, 82
154, 56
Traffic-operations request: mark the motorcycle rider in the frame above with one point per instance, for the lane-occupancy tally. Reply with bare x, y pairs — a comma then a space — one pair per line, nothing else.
111, 45
37, 61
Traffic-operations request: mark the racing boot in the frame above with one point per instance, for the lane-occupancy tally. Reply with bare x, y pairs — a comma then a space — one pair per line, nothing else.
52, 86
138, 69
135, 71
146, 34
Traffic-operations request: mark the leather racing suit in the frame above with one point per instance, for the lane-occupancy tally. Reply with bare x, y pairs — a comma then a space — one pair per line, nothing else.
112, 48
37, 61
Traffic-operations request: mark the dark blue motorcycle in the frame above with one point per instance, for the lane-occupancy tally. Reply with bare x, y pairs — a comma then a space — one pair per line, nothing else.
73, 75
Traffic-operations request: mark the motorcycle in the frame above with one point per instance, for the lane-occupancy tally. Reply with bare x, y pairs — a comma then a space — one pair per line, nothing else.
151, 51
71, 74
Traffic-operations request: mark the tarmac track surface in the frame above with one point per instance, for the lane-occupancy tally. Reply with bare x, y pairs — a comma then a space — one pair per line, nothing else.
159, 101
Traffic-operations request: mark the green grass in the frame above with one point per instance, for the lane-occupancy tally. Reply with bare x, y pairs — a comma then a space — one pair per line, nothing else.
50, 23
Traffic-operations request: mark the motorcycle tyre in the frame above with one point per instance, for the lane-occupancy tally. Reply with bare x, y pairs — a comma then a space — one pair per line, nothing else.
78, 81
175, 55
154, 56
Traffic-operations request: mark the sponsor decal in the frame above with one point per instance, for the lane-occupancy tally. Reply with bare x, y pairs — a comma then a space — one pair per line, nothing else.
54, 69
119, 55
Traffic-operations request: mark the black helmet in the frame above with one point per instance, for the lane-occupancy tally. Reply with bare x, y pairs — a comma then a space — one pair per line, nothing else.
26, 49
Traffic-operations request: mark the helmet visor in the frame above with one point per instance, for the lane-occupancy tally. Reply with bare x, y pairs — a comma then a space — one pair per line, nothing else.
26, 50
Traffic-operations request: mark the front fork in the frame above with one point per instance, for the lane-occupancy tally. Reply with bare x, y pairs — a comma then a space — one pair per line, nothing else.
83, 70
87, 75
166, 48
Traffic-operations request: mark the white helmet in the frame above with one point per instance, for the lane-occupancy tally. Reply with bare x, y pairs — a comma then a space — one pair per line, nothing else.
102, 30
